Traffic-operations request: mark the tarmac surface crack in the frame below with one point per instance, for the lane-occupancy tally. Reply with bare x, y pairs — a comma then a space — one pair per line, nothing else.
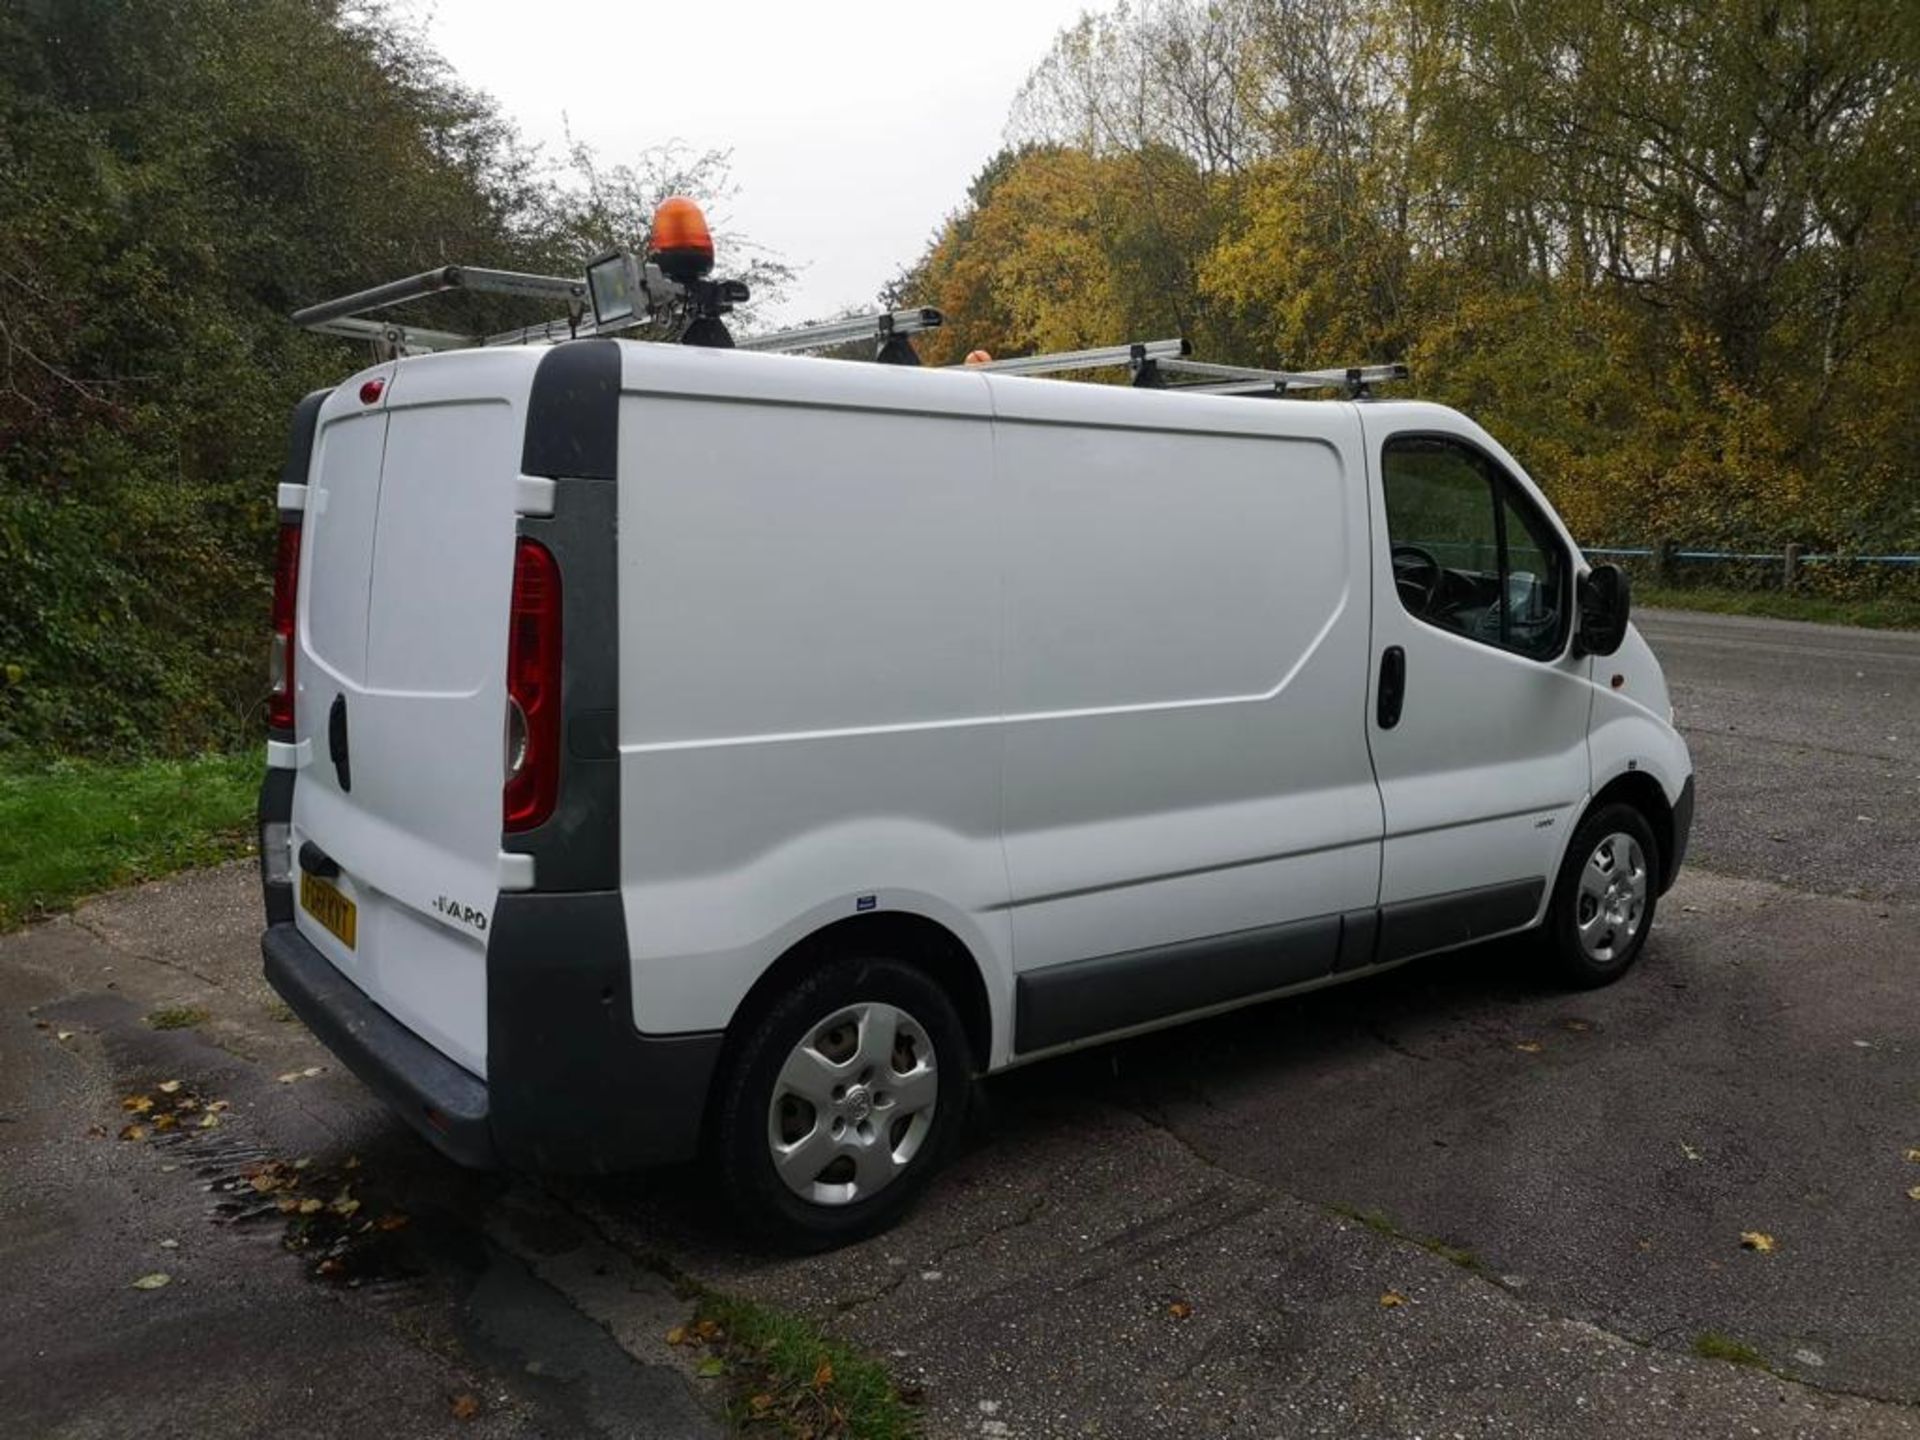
847, 1304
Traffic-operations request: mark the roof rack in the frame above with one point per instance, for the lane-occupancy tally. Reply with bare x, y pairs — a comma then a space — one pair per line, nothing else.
885, 328
1152, 361
622, 290
348, 315
1140, 356
1357, 380
342, 316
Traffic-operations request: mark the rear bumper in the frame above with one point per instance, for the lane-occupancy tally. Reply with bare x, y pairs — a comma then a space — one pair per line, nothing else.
572, 1086
1682, 833
443, 1102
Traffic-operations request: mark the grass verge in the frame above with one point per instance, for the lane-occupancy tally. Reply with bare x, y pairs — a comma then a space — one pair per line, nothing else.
784, 1376
69, 828
1886, 613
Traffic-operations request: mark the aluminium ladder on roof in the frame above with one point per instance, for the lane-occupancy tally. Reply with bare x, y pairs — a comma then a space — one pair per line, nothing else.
347, 316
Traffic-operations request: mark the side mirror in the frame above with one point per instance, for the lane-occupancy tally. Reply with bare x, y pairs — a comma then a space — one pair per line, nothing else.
1606, 599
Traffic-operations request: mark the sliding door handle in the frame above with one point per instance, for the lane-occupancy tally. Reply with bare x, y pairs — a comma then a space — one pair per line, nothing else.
1393, 687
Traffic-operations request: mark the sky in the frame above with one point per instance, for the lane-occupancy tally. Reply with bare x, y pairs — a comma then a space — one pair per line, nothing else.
854, 126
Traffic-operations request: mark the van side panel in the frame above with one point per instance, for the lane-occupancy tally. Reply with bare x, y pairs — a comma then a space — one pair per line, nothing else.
809, 677
1186, 641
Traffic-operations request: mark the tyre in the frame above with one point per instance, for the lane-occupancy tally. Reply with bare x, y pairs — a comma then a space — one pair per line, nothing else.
1604, 898
841, 1099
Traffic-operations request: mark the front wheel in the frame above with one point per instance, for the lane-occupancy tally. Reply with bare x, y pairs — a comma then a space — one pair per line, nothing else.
841, 1100
1604, 899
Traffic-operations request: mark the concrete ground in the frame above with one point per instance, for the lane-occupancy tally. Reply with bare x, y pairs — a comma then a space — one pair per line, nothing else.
1448, 1201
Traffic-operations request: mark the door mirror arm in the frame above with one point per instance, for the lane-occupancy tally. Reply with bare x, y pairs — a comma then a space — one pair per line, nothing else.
1605, 604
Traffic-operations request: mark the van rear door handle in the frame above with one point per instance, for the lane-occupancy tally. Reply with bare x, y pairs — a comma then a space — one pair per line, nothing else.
1393, 687
337, 743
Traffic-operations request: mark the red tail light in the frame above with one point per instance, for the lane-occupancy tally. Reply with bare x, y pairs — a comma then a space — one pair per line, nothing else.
286, 581
533, 688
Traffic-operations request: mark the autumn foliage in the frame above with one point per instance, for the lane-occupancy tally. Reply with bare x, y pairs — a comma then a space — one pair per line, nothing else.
1668, 252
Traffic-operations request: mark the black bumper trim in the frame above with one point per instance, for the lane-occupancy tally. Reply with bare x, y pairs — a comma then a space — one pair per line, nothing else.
576, 1087
445, 1103
1682, 833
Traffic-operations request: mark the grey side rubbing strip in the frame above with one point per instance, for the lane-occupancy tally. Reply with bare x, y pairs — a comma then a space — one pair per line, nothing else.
1112, 992
1414, 927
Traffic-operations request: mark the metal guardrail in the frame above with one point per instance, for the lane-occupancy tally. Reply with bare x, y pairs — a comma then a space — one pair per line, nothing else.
1780, 558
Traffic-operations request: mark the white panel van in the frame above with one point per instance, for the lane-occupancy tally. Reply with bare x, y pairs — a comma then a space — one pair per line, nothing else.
682, 750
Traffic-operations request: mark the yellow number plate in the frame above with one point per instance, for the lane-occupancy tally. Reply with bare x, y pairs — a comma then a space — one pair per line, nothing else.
328, 906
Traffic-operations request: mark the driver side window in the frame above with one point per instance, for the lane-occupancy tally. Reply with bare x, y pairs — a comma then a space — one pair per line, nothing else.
1468, 554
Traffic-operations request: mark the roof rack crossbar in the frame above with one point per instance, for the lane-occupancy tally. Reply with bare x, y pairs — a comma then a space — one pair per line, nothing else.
1105, 357
409, 338
1245, 380
879, 327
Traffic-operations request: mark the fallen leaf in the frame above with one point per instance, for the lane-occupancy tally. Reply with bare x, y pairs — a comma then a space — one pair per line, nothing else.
1578, 1025
760, 1404
677, 1335
288, 1078
1392, 1298
169, 1244
165, 1122
1756, 1240
63, 1034
311, 1071
266, 1181
1914, 1193
711, 1367
1530, 1047
464, 1407
153, 1281
216, 1106
311, 1206
352, 1162
133, 1132
707, 1330
823, 1375
1180, 1309
394, 1221
209, 1120
288, 1204
168, 1087
136, 1104
1688, 1151
344, 1207
1914, 1156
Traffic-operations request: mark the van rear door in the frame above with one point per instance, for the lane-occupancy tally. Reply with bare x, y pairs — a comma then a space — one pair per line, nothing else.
407, 573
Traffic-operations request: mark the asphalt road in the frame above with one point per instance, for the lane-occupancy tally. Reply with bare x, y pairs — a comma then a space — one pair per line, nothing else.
1806, 739
1449, 1201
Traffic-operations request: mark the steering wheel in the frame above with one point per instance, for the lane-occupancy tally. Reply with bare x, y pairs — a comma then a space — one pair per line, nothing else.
1417, 574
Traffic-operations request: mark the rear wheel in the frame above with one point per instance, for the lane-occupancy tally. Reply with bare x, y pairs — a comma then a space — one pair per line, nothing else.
1603, 901
842, 1098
